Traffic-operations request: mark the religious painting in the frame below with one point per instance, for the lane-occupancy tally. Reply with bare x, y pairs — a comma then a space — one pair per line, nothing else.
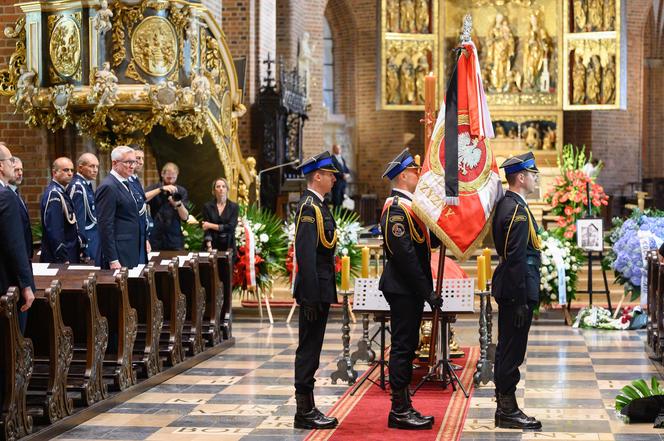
590, 234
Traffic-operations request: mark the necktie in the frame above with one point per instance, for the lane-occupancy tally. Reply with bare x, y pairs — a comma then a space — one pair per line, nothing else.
20, 198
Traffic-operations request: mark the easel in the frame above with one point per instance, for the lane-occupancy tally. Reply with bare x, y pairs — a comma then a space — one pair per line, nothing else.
381, 317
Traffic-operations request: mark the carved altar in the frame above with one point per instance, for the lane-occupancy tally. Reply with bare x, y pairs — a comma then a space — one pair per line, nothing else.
132, 72
539, 58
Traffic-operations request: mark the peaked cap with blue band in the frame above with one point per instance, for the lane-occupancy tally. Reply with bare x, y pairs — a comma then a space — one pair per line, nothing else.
515, 164
322, 161
403, 161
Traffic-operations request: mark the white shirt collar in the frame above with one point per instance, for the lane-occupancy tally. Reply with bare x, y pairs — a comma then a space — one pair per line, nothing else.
404, 192
58, 184
13, 187
2, 183
318, 195
520, 196
118, 177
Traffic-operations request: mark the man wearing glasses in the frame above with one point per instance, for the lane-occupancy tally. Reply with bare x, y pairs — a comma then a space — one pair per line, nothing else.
60, 239
83, 198
118, 214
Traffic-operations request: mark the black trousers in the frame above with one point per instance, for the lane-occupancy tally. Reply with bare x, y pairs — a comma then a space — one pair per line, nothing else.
511, 348
307, 356
406, 316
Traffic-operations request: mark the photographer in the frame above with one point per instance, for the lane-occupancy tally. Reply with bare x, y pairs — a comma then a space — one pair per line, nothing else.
168, 209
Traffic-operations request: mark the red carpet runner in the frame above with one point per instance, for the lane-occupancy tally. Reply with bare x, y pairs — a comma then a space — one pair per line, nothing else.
364, 415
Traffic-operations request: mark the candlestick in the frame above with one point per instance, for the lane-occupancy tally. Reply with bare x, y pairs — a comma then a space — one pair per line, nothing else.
487, 262
345, 273
365, 262
481, 276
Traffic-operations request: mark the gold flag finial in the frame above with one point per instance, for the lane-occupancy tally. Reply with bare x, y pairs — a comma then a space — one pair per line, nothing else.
467, 28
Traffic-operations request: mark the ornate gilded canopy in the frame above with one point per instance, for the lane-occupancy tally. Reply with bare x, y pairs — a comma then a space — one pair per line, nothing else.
117, 72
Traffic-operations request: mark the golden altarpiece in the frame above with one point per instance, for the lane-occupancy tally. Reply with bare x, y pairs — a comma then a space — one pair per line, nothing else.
153, 72
539, 58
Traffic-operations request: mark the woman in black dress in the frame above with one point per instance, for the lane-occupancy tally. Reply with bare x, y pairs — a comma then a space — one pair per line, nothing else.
220, 219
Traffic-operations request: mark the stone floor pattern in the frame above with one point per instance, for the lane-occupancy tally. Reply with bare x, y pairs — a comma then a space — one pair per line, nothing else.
246, 393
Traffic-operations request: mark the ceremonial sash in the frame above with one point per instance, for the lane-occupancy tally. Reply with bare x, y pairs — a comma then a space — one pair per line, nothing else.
405, 205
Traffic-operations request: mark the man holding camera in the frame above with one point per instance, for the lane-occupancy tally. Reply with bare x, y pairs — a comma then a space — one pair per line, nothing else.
168, 210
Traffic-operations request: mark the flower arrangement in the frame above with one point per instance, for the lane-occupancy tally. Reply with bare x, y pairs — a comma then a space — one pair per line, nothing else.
192, 231
348, 228
269, 248
600, 318
625, 256
571, 256
636, 397
569, 196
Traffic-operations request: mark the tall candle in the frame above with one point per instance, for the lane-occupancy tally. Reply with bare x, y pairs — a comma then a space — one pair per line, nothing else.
345, 273
481, 276
487, 262
429, 107
365, 262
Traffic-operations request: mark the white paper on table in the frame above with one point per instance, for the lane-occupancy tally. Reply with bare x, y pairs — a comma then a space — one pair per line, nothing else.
42, 269
183, 259
151, 255
204, 254
83, 267
136, 271
165, 262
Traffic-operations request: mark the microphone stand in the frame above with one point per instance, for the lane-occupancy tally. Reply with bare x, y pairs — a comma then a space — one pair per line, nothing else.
260, 174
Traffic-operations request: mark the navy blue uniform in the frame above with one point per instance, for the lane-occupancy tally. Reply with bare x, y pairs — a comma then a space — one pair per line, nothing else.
315, 283
83, 197
145, 219
122, 237
516, 282
406, 282
167, 231
60, 240
25, 223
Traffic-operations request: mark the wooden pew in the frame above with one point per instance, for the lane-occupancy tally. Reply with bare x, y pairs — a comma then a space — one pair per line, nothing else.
225, 266
190, 286
167, 282
653, 283
113, 302
150, 317
208, 265
16, 362
53, 351
80, 311
658, 316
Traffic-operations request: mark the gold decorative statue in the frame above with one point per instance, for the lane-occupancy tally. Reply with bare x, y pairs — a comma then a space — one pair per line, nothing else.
593, 80
393, 15
407, 81
500, 131
422, 17
407, 16
610, 15
609, 82
549, 140
578, 80
580, 15
421, 72
536, 50
392, 85
595, 14
500, 52
532, 137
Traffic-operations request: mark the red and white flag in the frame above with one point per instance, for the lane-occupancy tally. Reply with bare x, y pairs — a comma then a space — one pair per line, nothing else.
456, 198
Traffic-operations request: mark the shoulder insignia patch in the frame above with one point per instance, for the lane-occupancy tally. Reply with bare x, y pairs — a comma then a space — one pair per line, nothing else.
396, 218
398, 230
520, 218
308, 219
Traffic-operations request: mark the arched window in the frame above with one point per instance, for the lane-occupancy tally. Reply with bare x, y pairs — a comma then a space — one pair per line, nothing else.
328, 68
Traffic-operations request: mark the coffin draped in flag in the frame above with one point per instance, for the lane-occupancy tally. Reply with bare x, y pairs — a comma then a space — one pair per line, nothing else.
456, 198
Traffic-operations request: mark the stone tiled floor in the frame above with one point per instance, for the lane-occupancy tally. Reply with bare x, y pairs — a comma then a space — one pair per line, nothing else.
245, 393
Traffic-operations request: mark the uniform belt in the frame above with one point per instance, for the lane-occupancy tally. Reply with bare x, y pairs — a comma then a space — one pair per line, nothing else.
529, 261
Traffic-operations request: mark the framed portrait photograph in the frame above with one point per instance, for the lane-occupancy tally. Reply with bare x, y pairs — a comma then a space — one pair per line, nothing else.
590, 234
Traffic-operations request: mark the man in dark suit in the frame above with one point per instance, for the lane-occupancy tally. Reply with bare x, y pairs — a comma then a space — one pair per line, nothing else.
120, 231
406, 284
515, 286
141, 200
342, 176
315, 285
83, 198
60, 241
15, 268
15, 184
169, 210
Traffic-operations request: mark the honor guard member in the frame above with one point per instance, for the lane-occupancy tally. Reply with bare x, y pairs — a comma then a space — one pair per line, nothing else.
83, 197
315, 284
406, 283
515, 286
60, 241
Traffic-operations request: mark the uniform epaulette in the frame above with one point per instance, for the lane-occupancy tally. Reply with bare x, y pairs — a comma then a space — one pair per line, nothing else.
309, 201
395, 200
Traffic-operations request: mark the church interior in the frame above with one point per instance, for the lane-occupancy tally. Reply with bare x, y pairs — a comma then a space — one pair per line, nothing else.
222, 112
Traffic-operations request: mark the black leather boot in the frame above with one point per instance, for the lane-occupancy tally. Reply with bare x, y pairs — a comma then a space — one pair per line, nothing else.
509, 416
308, 417
419, 415
402, 416
332, 420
